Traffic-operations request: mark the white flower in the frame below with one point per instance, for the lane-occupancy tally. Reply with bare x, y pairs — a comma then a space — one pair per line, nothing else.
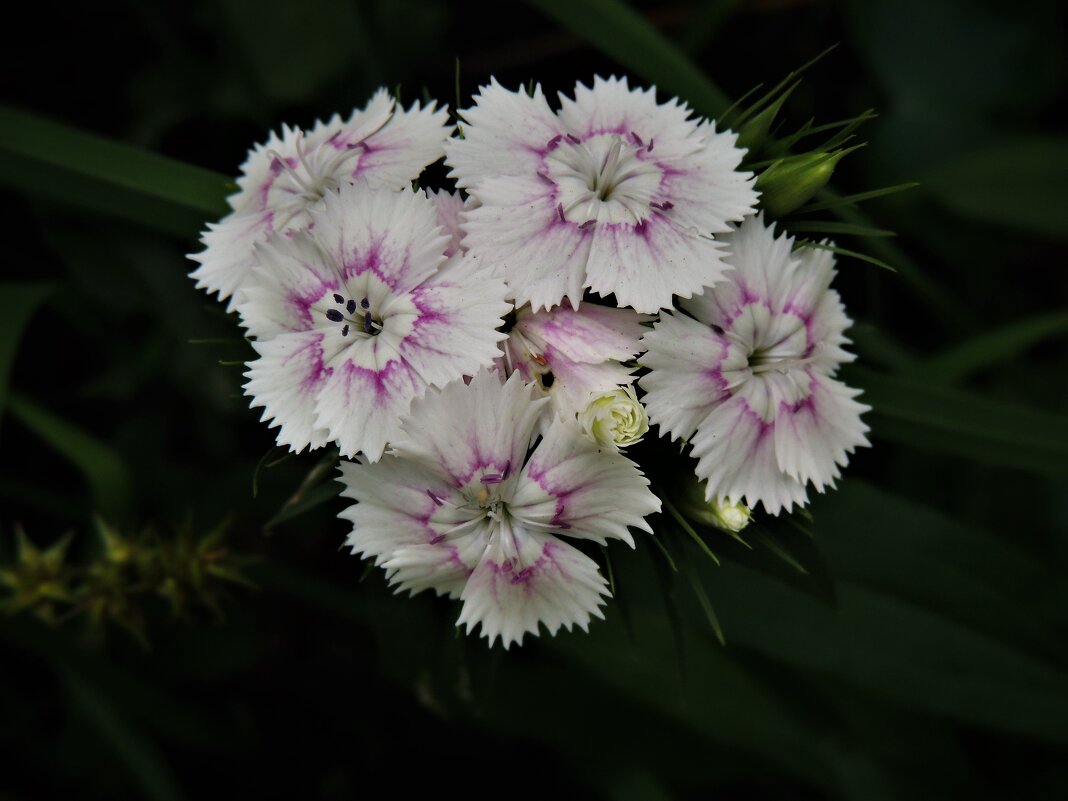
614, 418
570, 354
288, 175
613, 193
750, 376
358, 315
449, 206
462, 506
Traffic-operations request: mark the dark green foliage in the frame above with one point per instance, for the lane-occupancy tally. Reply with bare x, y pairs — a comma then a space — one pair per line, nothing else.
903, 639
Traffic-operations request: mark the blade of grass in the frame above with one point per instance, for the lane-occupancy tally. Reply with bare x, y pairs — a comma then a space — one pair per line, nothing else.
103, 468
18, 302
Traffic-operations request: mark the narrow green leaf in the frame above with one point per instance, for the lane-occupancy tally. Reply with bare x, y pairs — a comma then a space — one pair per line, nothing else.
1017, 184
694, 579
50, 160
312, 499
845, 200
940, 419
832, 227
845, 252
104, 470
619, 31
18, 302
991, 348
664, 552
137, 753
791, 77
689, 529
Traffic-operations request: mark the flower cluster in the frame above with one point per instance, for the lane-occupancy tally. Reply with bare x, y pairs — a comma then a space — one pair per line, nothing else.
475, 354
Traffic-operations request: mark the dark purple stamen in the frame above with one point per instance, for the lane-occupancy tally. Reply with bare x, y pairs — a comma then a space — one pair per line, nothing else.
637, 139
667, 205
574, 139
352, 145
587, 224
433, 497
345, 330
507, 468
335, 316
554, 142
522, 575
365, 303
560, 211
338, 298
650, 148
350, 307
717, 329
367, 322
492, 478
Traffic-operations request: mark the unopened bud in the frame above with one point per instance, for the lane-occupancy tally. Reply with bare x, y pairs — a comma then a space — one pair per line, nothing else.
615, 418
791, 182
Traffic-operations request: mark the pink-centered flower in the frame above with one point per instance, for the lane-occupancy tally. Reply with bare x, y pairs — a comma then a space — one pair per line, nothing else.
357, 315
284, 178
571, 355
614, 193
749, 378
463, 506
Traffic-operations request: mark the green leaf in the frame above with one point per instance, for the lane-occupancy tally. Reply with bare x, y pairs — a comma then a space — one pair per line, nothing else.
143, 760
103, 469
18, 302
831, 227
312, 499
845, 252
835, 201
994, 347
943, 420
52, 161
1016, 184
617, 30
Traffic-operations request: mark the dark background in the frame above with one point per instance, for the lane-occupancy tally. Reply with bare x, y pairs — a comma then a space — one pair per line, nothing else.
912, 647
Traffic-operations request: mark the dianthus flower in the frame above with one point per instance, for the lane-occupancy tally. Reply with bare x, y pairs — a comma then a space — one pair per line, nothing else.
462, 505
614, 193
355, 316
749, 377
284, 178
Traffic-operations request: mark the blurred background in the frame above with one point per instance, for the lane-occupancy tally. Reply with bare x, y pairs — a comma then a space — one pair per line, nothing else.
179, 620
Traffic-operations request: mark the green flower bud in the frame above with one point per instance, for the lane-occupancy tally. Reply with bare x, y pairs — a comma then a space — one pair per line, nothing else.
754, 132
615, 419
721, 514
791, 182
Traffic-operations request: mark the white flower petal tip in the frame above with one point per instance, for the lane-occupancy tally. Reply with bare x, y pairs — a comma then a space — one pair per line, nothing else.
285, 177
463, 506
570, 355
614, 193
357, 316
749, 377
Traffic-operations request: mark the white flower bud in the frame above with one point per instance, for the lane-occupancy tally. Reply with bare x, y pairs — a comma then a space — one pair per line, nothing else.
614, 418
728, 516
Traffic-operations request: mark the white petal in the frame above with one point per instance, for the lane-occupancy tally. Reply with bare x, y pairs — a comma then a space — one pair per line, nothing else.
572, 486
644, 266
449, 206
362, 400
292, 274
531, 579
690, 371
574, 382
393, 235
504, 133
290, 371
397, 153
462, 428
735, 449
228, 256
455, 332
611, 106
815, 435
590, 334
542, 258
397, 521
